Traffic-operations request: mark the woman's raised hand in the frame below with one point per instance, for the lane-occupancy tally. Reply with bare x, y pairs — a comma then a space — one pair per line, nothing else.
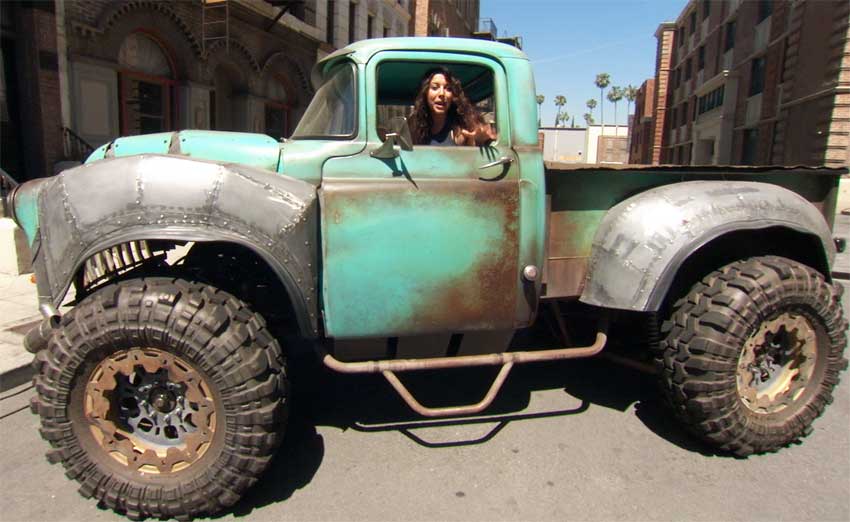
481, 135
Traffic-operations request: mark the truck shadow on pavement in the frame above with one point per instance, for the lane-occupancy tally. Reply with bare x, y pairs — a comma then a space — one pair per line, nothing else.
367, 403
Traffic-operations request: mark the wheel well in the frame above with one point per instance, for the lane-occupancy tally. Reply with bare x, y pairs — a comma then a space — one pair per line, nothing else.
231, 267
743, 244
243, 273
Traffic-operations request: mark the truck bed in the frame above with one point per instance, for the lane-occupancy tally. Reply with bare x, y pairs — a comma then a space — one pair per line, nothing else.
579, 196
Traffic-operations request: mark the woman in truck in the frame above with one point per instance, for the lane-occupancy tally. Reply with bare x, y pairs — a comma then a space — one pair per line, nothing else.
443, 115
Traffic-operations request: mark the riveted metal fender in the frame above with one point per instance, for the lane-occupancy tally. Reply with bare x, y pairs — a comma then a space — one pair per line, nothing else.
92, 207
642, 241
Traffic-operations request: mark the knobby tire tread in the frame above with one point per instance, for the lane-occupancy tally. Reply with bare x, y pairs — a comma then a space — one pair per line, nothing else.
701, 343
206, 326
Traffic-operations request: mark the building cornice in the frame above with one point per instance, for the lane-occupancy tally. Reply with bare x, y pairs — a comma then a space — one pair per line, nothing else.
663, 27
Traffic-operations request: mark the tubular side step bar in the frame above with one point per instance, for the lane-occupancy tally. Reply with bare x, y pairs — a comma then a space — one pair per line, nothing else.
507, 360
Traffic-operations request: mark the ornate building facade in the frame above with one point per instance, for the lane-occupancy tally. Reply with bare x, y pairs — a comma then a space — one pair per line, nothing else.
78, 74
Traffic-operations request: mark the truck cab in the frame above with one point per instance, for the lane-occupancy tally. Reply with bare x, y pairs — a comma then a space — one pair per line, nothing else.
435, 238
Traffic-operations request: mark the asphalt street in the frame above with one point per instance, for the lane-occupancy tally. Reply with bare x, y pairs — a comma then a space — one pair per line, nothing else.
575, 440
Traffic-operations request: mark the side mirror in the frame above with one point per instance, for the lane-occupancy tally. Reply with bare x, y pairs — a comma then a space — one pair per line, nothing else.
397, 139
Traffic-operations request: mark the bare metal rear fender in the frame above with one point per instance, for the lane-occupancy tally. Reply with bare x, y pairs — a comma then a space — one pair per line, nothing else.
642, 242
102, 204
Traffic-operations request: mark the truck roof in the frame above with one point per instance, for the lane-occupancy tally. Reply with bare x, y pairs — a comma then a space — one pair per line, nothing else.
363, 50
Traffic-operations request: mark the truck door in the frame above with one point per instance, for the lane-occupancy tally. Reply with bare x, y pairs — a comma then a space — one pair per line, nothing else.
425, 242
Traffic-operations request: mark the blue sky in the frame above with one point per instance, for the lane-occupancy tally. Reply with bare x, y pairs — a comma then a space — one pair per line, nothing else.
570, 41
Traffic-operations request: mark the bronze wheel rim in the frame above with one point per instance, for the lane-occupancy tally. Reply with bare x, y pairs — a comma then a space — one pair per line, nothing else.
150, 410
777, 363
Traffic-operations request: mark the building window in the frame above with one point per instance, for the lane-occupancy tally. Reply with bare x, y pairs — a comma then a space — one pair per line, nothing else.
711, 100
277, 107
765, 10
693, 22
680, 35
757, 76
688, 70
352, 17
748, 147
277, 121
370, 25
701, 58
386, 31
729, 40
146, 83
685, 113
227, 105
329, 35
706, 9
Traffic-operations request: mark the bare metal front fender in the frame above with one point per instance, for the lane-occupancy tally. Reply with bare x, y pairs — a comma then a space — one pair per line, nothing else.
95, 206
642, 242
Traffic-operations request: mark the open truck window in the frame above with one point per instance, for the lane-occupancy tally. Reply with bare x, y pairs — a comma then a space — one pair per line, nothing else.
398, 84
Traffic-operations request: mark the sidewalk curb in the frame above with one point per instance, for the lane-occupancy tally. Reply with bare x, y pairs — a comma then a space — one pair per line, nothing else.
15, 377
22, 371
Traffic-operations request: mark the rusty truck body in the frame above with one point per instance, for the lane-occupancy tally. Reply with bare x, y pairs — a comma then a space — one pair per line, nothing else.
163, 388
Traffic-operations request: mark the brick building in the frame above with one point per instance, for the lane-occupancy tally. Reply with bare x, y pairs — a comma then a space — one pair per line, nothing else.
640, 137
444, 17
740, 91
647, 148
78, 74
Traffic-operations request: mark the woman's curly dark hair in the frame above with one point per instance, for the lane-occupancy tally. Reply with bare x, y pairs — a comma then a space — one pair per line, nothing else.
461, 115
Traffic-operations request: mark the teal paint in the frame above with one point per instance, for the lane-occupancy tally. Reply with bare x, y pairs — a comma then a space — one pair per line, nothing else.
401, 257
98, 153
396, 273
26, 207
303, 159
361, 52
532, 221
522, 100
144, 144
256, 150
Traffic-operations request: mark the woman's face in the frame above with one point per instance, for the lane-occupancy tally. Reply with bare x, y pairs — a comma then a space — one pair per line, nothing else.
439, 94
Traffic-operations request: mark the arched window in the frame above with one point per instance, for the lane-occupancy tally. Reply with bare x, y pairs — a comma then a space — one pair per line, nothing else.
146, 82
227, 99
278, 105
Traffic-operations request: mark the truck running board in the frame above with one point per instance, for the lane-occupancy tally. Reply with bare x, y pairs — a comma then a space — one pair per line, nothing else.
507, 360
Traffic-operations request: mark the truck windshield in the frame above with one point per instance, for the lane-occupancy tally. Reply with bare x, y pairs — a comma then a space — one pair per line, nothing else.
332, 113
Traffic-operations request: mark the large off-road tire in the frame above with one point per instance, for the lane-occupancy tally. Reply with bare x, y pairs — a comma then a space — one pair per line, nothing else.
751, 355
162, 397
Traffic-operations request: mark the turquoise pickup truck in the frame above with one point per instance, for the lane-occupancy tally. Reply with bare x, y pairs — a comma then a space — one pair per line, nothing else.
193, 255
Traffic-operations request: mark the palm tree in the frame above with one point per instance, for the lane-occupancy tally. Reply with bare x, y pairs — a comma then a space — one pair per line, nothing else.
588, 118
564, 117
540, 100
630, 92
560, 101
602, 81
591, 104
615, 95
